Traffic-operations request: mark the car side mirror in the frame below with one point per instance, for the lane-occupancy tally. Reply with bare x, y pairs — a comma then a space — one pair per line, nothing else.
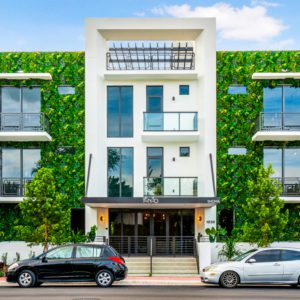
44, 259
251, 261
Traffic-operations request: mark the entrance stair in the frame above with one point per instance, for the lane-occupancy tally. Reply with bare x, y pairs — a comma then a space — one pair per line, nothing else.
162, 266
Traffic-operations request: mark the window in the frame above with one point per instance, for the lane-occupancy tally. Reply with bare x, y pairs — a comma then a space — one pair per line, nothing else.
267, 256
273, 156
66, 90
154, 99
119, 111
184, 151
289, 255
237, 90
18, 167
154, 162
60, 253
184, 90
88, 251
120, 172
237, 151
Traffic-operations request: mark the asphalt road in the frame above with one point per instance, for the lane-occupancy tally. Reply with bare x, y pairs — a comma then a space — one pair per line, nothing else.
92, 292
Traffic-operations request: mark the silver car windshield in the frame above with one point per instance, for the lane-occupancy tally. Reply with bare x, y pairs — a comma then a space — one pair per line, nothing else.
244, 255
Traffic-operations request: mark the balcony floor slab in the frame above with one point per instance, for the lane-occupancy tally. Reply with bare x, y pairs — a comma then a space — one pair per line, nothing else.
170, 136
276, 136
25, 136
16, 199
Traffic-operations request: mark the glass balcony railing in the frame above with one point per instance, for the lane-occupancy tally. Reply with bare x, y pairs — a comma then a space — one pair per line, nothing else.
278, 122
290, 185
170, 186
171, 121
13, 187
23, 122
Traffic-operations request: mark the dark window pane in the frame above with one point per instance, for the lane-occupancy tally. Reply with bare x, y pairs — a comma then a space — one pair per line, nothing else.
273, 157
152, 151
88, 251
11, 163
127, 172
113, 111
267, 256
154, 91
60, 253
154, 167
184, 90
237, 89
184, 151
154, 104
31, 100
11, 100
126, 112
128, 223
114, 159
154, 98
115, 221
288, 255
188, 226
31, 158
272, 101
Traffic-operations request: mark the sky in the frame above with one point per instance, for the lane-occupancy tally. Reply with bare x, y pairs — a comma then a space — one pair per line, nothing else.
58, 25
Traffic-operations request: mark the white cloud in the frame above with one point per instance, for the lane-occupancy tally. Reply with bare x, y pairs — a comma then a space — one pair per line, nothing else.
233, 23
265, 3
281, 45
140, 13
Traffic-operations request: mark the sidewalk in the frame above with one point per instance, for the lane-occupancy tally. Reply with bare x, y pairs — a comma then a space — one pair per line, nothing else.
136, 281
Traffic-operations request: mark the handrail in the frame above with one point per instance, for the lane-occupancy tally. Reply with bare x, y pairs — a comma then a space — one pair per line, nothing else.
278, 121
23, 122
196, 254
290, 185
13, 186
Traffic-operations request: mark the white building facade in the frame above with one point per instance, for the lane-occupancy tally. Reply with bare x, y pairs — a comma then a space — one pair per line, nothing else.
150, 131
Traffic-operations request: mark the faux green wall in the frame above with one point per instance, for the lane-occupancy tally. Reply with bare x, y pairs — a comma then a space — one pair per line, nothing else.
66, 117
236, 123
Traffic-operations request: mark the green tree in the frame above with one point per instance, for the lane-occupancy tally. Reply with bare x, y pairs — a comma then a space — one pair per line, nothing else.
266, 219
45, 216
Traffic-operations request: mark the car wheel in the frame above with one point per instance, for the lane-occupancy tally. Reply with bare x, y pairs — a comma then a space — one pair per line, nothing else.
229, 279
104, 278
26, 279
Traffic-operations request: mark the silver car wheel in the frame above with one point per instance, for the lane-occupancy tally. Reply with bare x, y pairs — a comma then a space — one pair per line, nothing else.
229, 279
104, 278
25, 279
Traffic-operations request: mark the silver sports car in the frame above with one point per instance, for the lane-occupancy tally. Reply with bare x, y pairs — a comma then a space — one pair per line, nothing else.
257, 266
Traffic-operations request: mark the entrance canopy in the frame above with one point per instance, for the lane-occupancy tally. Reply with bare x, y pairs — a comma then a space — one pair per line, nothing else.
150, 202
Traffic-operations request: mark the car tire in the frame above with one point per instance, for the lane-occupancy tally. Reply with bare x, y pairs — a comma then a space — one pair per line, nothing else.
229, 279
26, 279
104, 278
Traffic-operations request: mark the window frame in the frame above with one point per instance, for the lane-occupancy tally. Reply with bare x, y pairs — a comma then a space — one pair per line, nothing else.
89, 246
267, 250
185, 147
155, 96
186, 86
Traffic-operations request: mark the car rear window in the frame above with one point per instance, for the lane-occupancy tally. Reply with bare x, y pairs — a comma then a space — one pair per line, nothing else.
288, 255
88, 251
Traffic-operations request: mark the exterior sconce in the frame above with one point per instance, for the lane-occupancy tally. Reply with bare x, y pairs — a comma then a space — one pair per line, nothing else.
101, 218
173, 159
199, 218
173, 98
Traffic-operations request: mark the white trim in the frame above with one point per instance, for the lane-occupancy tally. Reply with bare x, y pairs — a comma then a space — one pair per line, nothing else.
283, 75
170, 136
11, 199
295, 199
25, 136
276, 136
22, 76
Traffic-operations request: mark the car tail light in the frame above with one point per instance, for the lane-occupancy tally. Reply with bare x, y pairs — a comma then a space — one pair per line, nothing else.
118, 260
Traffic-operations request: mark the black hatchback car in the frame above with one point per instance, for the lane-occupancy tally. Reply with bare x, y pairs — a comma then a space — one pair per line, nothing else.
70, 263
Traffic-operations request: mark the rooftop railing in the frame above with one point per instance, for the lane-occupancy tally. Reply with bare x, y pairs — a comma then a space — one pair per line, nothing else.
278, 121
24, 122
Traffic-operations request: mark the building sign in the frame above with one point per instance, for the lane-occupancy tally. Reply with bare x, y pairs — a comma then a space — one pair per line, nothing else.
150, 200
214, 201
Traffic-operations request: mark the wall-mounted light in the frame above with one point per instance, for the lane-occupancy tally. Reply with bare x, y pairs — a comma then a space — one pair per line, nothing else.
101, 218
199, 218
173, 98
173, 159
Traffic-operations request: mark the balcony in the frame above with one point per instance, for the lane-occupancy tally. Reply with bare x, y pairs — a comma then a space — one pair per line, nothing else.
24, 127
171, 126
290, 189
171, 186
12, 189
278, 127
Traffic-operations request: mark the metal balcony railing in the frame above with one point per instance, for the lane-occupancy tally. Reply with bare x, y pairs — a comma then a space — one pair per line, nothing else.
23, 122
13, 187
170, 186
290, 185
171, 121
278, 121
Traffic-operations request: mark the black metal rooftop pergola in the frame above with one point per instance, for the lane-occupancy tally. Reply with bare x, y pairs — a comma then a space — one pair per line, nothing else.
152, 57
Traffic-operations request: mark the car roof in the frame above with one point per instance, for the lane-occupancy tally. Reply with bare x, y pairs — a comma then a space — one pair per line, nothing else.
279, 248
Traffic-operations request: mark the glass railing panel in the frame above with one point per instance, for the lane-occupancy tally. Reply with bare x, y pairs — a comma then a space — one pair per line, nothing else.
153, 186
272, 121
171, 122
153, 121
171, 186
189, 186
188, 121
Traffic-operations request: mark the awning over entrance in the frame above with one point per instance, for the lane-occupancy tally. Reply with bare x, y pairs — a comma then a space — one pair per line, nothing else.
151, 202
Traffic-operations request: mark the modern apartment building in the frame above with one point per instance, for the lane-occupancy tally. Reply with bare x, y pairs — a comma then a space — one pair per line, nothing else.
150, 131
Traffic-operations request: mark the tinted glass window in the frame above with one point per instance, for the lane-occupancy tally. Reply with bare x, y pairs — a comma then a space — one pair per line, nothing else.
87, 251
31, 100
31, 158
11, 163
120, 111
184, 90
288, 255
291, 99
154, 99
237, 89
273, 157
11, 100
155, 162
184, 151
120, 172
267, 256
66, 90
237, 151
60, 253
272, 101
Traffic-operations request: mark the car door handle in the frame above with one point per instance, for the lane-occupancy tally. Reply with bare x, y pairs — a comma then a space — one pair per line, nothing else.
276, 265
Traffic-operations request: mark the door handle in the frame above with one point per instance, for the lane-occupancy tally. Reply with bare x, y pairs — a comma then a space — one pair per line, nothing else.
276, 265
